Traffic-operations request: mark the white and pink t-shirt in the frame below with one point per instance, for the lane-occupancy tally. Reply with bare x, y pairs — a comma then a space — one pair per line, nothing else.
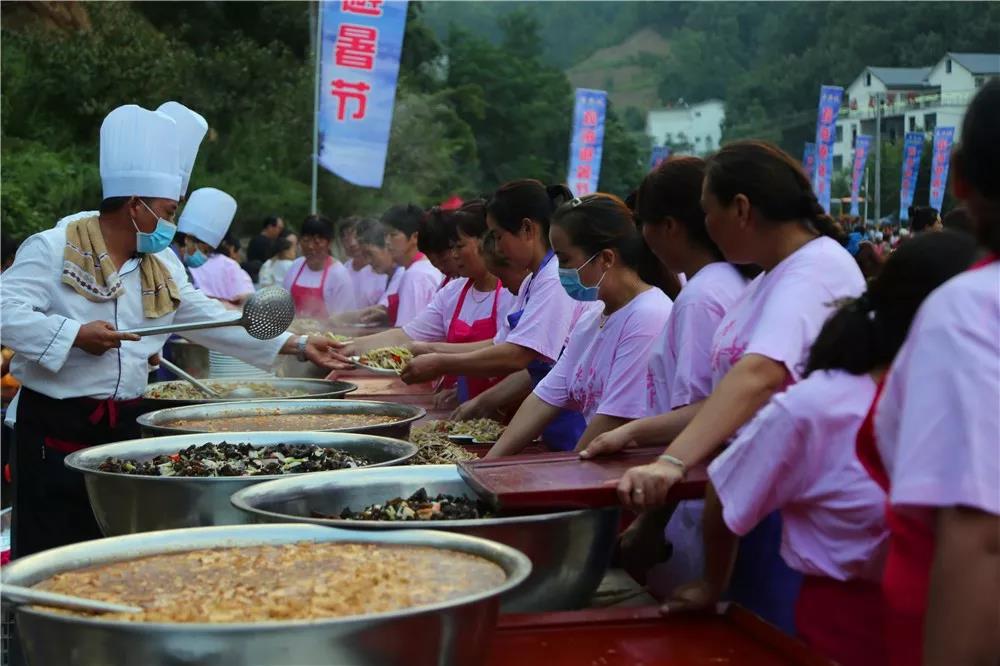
338, 291
549, 314
221, 277
937, 423
416, 286
797, 455
603, 368
368, 285
680, 371
781, 312
432, 324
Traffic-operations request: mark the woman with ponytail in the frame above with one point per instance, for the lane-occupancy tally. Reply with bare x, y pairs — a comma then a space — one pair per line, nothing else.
935, 446
797, 456
759, 209
602, 372
534, 331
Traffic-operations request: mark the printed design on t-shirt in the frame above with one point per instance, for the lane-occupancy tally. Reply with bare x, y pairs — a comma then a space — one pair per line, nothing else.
650, 389
586, 393
728, 354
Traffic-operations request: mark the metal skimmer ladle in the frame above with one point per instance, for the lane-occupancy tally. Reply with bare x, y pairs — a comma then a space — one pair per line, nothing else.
210, 392
267, 314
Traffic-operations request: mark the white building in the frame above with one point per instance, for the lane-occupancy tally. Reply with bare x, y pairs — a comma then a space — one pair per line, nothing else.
691, 128
915, 99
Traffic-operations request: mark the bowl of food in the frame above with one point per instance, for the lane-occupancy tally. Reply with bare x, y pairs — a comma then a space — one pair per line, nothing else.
570, 550
388, 419
177, 481
384, 361
270, 594
162, 395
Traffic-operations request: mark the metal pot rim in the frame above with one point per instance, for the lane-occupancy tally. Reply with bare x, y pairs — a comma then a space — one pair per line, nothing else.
72, 459
520, 566
238, 500
344, 388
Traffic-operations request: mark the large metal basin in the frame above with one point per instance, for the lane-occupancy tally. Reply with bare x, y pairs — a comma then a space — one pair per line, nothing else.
570, 550
455, 632
125, 504
157, 423
305, 389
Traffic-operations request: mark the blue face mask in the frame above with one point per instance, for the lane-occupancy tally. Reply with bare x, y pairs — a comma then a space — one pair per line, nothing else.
195, 260
159, 239
570, 279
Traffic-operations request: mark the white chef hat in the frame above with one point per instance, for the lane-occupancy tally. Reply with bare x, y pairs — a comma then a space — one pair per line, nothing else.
207, 215
191, 129
139, 154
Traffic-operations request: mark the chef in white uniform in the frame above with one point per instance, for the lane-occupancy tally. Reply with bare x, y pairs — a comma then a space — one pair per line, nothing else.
65, 303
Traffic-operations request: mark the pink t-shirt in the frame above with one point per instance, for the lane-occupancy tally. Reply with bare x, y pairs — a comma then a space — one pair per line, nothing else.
338, 291
549, 314
680, 371
797, 455
221, 277
432, 323
416, 286
781, 312
368, 285
938, 422
603, 369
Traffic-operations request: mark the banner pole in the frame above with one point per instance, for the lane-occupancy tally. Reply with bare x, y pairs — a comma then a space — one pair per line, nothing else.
317, 55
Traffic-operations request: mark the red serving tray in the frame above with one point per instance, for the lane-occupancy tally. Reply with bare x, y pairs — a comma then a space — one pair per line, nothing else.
564, 480
643, 637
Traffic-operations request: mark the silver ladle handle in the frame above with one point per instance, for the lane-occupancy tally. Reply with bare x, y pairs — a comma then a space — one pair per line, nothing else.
27, 596
178, 328
189, 379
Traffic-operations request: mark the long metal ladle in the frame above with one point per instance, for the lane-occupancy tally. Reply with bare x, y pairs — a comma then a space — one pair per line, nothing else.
16, 595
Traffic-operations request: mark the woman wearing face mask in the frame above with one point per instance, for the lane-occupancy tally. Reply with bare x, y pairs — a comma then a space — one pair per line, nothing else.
798, 456
319, 284
204, 222
760, 209
601, 374
467, 310
535, 330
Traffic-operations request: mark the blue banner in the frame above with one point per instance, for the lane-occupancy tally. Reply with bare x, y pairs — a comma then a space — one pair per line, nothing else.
361, 46
659, 154
826, 134
587, 143
913, 148
809, 161
944, 137
861, 147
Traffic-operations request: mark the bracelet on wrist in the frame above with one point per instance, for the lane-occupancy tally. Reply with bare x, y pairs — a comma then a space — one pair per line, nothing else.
675, 461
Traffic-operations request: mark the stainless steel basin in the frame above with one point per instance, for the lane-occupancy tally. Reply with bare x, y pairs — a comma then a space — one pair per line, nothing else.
455, 632
125, 503
305, 389
569, 550
159, 422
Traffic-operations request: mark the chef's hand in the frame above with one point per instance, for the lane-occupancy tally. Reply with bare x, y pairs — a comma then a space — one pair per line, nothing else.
608, 443
646, 486
446, 399
422, 369
342, 351
319, 350
97, 337
420, 348
693, 596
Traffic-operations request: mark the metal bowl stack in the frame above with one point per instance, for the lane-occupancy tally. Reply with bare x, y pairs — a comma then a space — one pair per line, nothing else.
300, 389
127, 503
570, 551
159, 422
454, 632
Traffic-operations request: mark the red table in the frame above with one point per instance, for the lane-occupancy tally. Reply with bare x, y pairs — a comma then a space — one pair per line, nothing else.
643, 637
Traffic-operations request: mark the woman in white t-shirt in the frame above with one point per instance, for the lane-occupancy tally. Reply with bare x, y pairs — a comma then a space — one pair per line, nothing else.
760, 209
273, 271
466, 310
601, 373
368, 285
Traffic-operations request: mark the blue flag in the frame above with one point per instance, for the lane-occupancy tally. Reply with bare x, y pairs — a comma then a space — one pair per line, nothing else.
944, 137
587, 142
826, 134
913, 148
361, 46
861, 148
809, 161
659, 154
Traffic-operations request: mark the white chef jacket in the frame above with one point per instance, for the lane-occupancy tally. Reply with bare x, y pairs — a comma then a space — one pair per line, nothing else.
41, 316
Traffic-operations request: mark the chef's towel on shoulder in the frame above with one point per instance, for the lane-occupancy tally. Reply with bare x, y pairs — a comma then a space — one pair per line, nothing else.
88, 269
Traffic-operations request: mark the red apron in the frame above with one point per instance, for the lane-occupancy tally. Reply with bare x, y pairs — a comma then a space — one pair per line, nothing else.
842, 620
480, 329
309, 301
393, 308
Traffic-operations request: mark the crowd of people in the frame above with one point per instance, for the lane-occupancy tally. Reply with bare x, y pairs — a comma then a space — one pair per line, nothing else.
840, 382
